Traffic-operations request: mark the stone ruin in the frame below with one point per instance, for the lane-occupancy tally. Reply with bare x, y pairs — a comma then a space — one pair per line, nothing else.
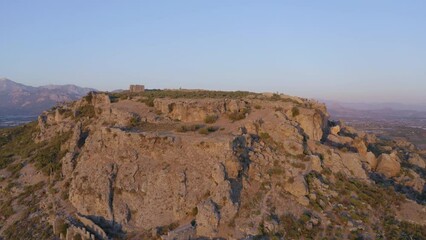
73, 232
83, 227
137, 88
182, 233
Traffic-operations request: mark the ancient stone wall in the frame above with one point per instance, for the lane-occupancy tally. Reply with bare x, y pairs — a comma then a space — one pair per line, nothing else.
137, 88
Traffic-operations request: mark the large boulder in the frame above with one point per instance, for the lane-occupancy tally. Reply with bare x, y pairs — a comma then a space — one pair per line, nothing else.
371, 160
297, 186
415, 159
312, 122
388, 165
315, 162
337, 140
208, 218
353, 163
348, 163
335, 130
360, 146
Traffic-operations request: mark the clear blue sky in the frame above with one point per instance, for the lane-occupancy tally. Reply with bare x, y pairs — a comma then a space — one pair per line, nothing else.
346, 50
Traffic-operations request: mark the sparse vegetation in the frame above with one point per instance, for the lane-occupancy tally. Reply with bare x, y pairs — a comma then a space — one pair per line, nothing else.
17, 142
149, 101
66, 113
264, 136
209, 119
87, 111
207, 130
48, 156
6, 209
134, 121
149, 95
189, 128
14, 169
238, 115
278, 109
276, 171
295, 111
298, 165
89, 98
165, 229
353, 207
275, 97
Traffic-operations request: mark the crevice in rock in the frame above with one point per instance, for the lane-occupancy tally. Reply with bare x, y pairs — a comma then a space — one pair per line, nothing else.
111, 182
236, 187
241, 149
185, 183
82, 139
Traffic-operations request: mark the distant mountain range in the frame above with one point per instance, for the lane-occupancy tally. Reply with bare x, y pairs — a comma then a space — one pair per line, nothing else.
375, 110
19, 99
375, 106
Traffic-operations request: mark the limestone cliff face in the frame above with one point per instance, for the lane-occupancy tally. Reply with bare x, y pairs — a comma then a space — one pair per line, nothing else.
136, 169
119, 172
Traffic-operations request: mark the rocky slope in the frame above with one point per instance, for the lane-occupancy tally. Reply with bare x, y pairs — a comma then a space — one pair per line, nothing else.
19, 99
188, 165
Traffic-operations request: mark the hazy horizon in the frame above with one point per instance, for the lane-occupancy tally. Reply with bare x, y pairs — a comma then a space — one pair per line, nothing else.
351, 52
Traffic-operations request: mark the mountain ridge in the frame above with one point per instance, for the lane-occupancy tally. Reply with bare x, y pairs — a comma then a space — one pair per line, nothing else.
20, 99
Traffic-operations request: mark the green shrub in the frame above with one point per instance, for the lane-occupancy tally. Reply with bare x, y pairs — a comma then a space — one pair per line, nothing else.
77, 237
194, 212
395, 229
86, 111
89, 98
213, 128
134, 121
275, 97
204, 131
275, 171
194, 94
16, 142
209, 119
47, 157
298, 165
6, 209
62, 227
113, 98
238, 115
149, 101
235, 116
14, 169
278, 109
190, 128
207, 130
264, 136
295, 111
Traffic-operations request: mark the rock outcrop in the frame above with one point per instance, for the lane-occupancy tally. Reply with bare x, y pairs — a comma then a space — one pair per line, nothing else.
388, 165
247, 166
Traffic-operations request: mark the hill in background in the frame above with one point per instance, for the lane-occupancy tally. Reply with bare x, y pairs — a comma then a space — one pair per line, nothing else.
22, 100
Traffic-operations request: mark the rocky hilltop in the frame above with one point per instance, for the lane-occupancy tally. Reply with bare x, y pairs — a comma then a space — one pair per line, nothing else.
183, 164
